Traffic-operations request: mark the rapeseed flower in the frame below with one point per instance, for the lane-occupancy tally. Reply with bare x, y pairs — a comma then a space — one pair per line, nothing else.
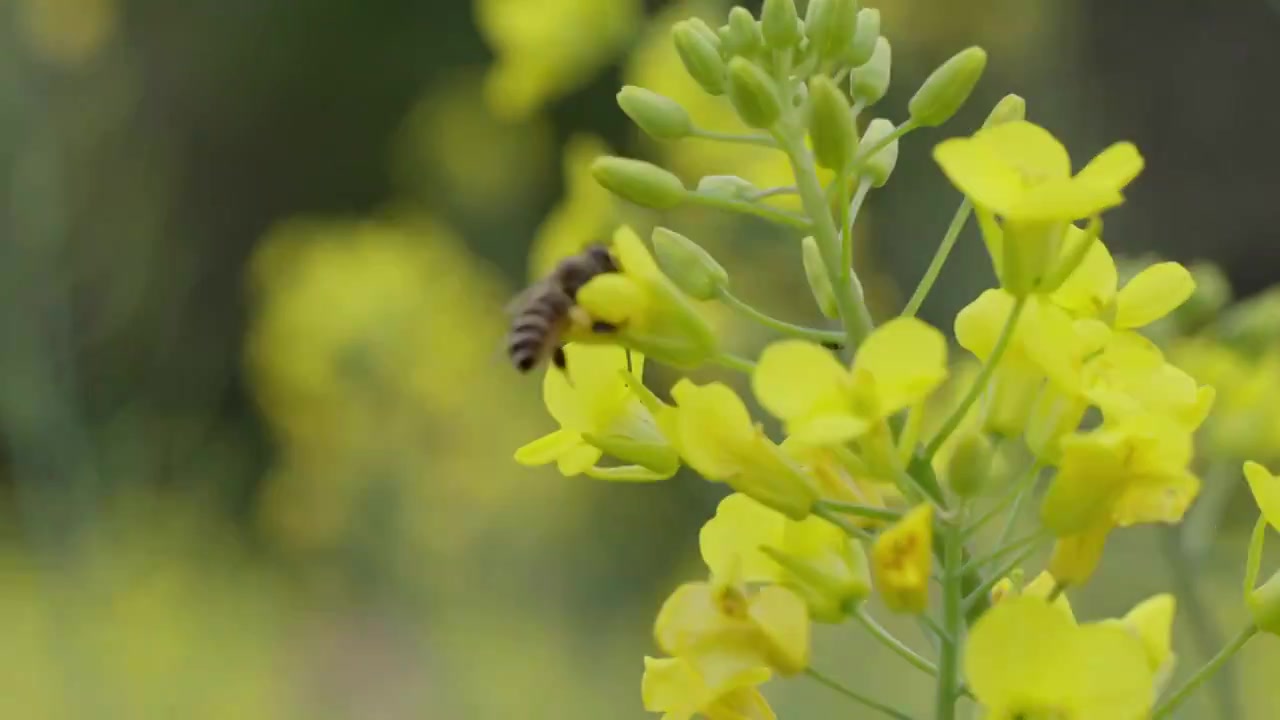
901, 558
1092, 290
602, 410
647, 311
1264, 601
679, 689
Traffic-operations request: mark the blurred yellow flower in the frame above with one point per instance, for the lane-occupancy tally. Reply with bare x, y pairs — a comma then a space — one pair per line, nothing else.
1041, 587
1266, 492
68, 32
902, 557
677, 688
545, 49
585, 214
1151, 621
1024, 659
822, 403
599, 412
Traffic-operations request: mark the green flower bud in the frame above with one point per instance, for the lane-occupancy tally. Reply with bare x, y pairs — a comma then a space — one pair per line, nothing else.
879, 166
1010, 108
832, 131
865, 34
690, 267
843, 27
642, 183
726, 186
970, 466
819, 282
871, 80
742, 36
658, 115
705, 31
946, 88
700, 56
817, 23
780, 24
832, 583
753, 94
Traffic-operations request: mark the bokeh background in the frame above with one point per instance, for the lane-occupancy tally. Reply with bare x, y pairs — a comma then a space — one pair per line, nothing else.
255, 422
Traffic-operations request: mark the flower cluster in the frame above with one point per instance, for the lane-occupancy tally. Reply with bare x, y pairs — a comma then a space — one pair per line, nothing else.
864, 482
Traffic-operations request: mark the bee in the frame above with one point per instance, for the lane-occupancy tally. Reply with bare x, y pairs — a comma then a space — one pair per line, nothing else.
542, 313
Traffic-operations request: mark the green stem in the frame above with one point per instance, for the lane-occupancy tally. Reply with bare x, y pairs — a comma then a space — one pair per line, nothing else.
736, 138
835, 518
853, 311
851, 217
952, 620
899, 648
974, 599
939, 258
734, 362
863, 511
855, 695
865, 153
1031, 540
1204, 673
743, 207
782, 326
980, 382
774, 192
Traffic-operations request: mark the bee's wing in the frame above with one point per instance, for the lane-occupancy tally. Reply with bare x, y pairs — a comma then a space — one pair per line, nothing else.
522, 298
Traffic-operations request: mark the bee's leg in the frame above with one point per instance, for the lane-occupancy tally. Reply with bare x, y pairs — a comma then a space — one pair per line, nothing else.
603, 328
559, 359
833, 345
629, 367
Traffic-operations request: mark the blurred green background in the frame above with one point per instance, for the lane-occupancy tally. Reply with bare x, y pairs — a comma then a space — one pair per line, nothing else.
255, 421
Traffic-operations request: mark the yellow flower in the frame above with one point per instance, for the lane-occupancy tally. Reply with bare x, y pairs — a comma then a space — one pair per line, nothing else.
717, 438
1041, 587
651, 315
548, 48
583, 216
726, 629
840, 474
1019, 171
1151, 621
602, 411
678, 689
901, 558
1266, 492
1024, 659
1264, 601
812, 556
1093, 291
822, 403
1246, 418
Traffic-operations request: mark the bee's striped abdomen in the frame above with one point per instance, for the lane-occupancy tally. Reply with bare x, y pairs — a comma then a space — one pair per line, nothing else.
536, 329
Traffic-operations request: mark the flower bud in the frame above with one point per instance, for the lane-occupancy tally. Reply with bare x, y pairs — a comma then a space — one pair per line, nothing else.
970, 465
1010, 108
831, 128
753, 94
690, 267
700, 56
727, 186
659, 116
742, 36
902, 559
780, 24
880, 166
819, 282
830, 25
642, 183
865, 34
946, 88
1075, 557
832, 582
871, 79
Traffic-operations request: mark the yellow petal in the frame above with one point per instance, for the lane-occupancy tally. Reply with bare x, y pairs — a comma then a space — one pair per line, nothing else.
690, 615
715, 430
1152, 621
908, 360
1160, 498
1043, 586
730, 542
1092, 286
1152, 294
1091, 474
796, 379
633, 257
593, 389
1033, 151
673, 686
828, 430
1065, 200
901, 557
1114, 167
978, 174
979, 323
577, 460
549, 448
783, 618
614, 298
1075, 557
1266, 491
